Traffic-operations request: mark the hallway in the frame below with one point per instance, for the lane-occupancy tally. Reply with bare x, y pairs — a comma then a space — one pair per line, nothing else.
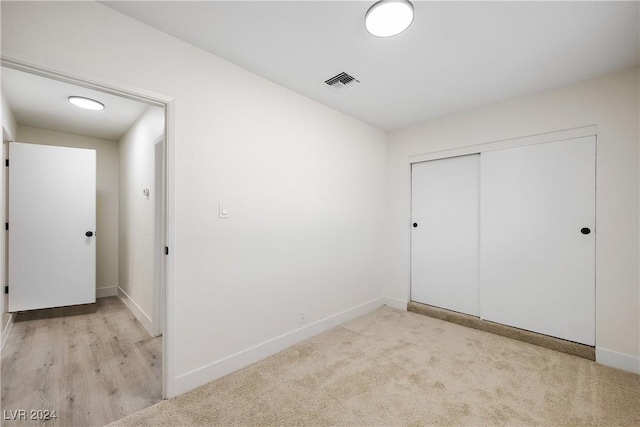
91, 364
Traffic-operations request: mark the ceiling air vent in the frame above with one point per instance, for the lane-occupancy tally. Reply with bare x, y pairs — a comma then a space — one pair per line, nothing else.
342, 81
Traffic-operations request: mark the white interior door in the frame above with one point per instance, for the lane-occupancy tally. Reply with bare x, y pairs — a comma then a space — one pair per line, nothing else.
52, 208
538, 268
445, 231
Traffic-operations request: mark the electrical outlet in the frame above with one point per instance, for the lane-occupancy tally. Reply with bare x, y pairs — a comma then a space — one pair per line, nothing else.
303, 316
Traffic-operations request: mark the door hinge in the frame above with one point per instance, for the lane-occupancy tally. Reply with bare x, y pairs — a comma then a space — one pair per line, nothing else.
6, 226
6, 289
6, 162
166, 250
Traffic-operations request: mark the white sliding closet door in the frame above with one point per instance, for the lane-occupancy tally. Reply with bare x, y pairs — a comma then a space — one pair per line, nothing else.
445, 228
538, 238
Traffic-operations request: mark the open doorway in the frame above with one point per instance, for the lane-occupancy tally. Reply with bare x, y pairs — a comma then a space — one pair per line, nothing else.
126, 322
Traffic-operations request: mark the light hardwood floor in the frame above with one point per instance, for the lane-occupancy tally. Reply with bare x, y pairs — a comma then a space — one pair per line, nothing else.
92, 364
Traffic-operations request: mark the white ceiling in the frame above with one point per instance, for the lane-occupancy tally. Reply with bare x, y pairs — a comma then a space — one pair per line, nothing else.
455, 56
41, 102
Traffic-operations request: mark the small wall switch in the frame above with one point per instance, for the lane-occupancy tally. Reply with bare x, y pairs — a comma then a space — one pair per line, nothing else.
223, 209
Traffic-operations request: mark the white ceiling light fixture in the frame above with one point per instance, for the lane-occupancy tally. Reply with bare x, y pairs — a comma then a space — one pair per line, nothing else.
387, 18
87, 103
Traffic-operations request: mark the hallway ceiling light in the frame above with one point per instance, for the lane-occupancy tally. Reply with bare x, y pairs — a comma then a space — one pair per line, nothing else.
88, 103
387, 18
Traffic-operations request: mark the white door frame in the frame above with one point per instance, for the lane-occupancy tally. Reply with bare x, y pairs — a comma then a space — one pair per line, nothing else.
558, 135
168, 103
159, 237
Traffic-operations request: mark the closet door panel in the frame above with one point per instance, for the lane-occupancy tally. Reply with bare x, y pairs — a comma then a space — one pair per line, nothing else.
538, 238
444, 237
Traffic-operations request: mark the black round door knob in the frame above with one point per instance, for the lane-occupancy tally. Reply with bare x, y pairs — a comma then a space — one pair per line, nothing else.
89, 233
585, 230
415, 225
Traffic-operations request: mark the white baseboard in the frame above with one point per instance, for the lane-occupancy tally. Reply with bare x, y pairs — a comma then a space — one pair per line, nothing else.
618, 360
110, 291
6, 330
136, 310
189, 381
395, 303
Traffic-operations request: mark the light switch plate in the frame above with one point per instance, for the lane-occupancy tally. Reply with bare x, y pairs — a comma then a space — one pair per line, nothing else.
223, 209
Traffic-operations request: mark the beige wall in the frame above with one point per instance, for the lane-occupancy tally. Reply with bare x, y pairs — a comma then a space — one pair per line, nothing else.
610, 103
137, 212
305, 187
107, 197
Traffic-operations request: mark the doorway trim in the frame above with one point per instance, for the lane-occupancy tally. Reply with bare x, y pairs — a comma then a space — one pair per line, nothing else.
167, 264
481, 147
159, 236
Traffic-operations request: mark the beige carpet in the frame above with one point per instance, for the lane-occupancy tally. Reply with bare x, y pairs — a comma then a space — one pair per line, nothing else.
398, 368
